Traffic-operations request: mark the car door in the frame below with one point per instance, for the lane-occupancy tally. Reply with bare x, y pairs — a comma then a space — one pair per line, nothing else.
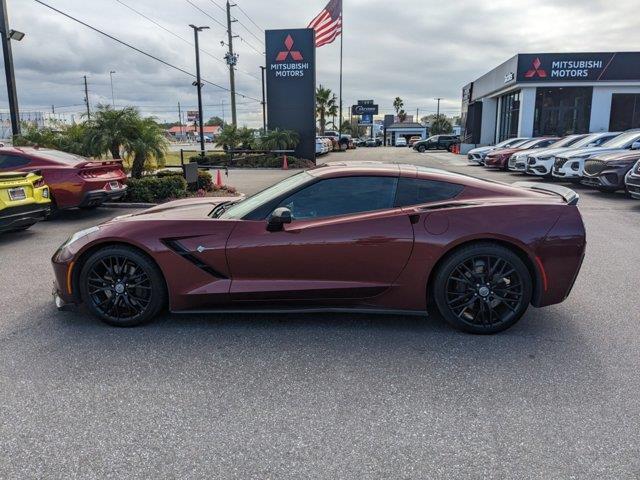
346, 241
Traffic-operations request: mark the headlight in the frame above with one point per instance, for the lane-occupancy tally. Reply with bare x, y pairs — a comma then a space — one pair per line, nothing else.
78, 235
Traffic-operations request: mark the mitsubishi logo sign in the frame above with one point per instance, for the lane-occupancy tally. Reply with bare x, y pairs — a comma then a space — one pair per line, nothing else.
536, 70
295, 55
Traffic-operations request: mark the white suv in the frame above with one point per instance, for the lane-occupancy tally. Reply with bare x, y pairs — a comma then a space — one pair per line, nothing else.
541, 163
570, 165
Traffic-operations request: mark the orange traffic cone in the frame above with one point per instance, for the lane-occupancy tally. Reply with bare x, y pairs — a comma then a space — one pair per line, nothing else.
285, 163
218, 179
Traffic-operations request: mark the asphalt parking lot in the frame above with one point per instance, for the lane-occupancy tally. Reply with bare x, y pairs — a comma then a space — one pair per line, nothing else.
325, 396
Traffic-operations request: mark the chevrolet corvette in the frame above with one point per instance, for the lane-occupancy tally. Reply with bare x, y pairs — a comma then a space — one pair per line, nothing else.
366, 237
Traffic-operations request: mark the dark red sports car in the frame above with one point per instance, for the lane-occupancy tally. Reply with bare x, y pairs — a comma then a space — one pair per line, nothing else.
74, 181
380, 238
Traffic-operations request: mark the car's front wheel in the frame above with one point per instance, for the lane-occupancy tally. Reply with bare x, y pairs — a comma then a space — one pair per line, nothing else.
422, 148
482, 288
122, 286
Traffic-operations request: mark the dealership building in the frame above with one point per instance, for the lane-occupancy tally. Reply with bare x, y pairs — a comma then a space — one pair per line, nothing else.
538, 94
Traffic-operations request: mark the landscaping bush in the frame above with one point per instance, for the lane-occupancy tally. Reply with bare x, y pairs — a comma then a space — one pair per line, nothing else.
153, 189
256, 160
205, 180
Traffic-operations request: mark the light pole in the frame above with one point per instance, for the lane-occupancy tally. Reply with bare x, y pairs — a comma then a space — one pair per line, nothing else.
198, 84
113, 98
264, 113
7, 36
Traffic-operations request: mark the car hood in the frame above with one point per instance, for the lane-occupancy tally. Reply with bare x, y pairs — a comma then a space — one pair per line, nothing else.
591, 151
548, 152
504, 151
185, 209
622, 157
482, 149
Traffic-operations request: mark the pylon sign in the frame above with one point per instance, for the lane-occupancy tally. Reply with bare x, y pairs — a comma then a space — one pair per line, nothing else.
291, 85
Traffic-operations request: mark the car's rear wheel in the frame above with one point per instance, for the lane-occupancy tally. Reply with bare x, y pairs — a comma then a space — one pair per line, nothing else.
482, 288
122, 286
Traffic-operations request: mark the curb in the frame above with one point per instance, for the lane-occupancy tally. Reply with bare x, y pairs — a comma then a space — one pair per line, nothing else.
128, 205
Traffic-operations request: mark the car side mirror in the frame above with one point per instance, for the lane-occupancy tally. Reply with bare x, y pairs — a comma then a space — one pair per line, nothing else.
278, 218
635, 145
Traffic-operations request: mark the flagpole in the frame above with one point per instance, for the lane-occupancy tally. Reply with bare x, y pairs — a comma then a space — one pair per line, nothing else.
341, 36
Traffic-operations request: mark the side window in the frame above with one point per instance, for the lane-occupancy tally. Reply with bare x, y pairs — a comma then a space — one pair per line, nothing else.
12, 161
342, 196
601, 140
445, 138
414, 191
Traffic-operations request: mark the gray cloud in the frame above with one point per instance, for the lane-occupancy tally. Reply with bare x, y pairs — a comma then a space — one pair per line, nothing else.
415, 49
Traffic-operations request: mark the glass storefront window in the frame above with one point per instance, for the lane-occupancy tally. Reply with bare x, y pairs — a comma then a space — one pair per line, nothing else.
508, 116
625, 112
562, 111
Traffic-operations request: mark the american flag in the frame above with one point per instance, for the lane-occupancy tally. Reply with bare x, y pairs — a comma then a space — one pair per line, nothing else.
328, 23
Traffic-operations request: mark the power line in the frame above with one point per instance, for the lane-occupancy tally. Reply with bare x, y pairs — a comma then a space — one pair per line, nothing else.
250, 19
221, 60
205, 13
140, 51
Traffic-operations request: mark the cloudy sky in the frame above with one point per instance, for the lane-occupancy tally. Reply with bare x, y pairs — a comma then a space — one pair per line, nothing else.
415, 49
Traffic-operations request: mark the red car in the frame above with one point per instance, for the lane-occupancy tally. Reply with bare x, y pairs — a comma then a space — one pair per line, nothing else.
500, 158
74, 181
367, 237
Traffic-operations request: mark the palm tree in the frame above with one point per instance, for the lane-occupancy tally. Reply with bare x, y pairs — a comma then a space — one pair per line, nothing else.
245, 137
110, 129
149, 142
229, 137
279, 140
325, 102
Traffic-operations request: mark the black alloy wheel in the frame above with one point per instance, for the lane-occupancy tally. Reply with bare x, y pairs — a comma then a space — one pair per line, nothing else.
483, 288
122, 286
422, 148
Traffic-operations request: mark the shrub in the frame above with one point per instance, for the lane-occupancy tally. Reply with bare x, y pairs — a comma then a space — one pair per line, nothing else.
257, 160
154, 189
205, 180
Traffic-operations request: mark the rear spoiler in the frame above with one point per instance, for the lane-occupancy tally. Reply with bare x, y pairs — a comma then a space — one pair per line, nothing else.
568, 195
99, 163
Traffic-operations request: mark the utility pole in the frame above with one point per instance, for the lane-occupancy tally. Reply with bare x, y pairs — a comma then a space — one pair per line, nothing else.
417, 114
113, 98
53, 109
222, 107
7, 36
231, 61
438, 110
86, 98
198, 84
264, 103
180, 122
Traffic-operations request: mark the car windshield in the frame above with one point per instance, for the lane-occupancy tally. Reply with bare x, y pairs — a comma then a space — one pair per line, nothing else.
240, 209
621, 141
586, 140
529, 143
58, 156
567, 141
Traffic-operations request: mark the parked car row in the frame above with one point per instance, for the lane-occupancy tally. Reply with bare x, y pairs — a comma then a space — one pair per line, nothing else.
369, 142
323, 145
608, 161
31, 177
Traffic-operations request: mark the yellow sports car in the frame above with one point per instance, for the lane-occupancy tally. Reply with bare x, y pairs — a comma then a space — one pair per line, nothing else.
24, 200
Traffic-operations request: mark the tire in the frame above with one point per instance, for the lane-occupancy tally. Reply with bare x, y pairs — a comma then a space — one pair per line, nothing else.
88, 207
104, 277
422, 148
466, 297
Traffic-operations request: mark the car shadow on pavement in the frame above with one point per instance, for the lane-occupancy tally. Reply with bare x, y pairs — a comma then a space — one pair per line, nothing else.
544, 346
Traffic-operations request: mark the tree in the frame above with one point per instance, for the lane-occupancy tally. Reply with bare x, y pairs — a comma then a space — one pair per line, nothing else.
109, 129
147, 143
440, 124
279, 140
402, 116
215, 122
325, 105
398, 104
228, 138
246, 137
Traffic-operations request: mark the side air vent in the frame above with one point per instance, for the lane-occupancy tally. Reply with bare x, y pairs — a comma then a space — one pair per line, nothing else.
178, 248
